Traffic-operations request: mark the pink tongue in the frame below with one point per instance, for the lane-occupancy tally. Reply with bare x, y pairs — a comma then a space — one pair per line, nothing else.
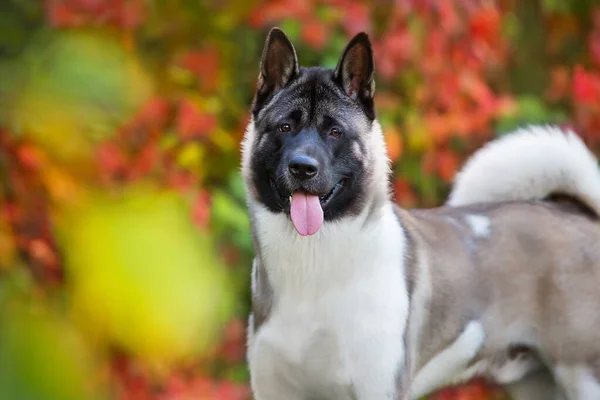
306, 212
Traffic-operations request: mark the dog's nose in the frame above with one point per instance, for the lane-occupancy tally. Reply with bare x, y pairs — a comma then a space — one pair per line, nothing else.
303, 167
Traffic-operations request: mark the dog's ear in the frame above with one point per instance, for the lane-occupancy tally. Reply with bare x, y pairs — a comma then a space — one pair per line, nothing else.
355, 71
278, 66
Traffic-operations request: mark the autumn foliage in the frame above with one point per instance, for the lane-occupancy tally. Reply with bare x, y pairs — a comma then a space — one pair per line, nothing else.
124, 240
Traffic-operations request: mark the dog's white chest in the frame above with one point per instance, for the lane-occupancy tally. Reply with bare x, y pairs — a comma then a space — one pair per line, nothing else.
338, 319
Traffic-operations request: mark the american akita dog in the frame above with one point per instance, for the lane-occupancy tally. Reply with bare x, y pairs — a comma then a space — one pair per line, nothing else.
355, 298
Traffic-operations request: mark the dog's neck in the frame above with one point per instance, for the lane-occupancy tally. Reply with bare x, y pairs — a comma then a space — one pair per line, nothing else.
331, 257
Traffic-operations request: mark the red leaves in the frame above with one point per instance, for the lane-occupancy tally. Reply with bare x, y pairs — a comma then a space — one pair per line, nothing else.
135, 384
594, 47
153, 115
446, 165
404, 194
314, 33
274, 11
485, 23
356, 17
352, 16
477, 389
201, 209
193, 122
204, 389
594, 38
446, 48
392, 51
233, 348
124, 14
586, 96
586, 86
29, 156
205, 65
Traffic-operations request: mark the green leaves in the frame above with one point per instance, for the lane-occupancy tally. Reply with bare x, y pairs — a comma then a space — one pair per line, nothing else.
43, 355
530, 110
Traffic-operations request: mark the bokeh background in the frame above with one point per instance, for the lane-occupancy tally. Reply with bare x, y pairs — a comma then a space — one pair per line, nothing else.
124, 240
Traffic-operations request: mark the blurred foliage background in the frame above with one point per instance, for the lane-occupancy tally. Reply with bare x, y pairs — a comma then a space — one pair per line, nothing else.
124, 240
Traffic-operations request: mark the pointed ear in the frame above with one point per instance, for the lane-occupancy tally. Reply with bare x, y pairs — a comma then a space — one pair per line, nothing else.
356, 69
278, 66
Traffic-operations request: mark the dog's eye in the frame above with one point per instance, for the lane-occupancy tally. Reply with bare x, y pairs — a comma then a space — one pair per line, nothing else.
285, 128
335, 132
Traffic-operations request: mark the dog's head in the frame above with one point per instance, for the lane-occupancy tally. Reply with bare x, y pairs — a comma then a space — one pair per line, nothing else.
313, 148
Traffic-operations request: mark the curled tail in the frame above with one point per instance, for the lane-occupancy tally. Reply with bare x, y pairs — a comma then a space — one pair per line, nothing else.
531, 163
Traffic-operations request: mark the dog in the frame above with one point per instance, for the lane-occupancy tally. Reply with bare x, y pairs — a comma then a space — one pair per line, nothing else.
356, 298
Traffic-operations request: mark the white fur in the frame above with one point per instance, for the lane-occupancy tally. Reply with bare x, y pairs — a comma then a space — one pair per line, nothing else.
441, 370
529, 164
341, 309
480, 224
577, 382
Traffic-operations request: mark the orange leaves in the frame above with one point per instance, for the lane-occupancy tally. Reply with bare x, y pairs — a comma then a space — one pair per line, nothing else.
394, 144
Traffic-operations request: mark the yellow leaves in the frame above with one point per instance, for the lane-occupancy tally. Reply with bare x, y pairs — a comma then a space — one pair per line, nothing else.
191, 156
418, 136
224, 140
143, 277
43, 121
